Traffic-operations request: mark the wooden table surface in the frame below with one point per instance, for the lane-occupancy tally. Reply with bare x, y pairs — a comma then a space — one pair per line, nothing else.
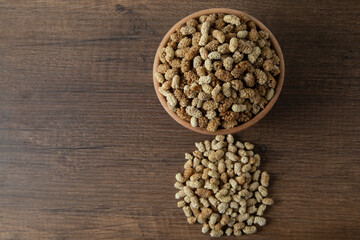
87, 152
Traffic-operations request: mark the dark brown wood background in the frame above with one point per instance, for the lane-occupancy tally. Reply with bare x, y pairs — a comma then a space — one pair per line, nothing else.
87, 152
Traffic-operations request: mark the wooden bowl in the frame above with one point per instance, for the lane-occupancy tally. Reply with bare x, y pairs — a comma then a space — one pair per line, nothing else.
262, 113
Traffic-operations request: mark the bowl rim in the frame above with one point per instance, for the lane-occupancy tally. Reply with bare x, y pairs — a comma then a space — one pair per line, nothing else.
252, 121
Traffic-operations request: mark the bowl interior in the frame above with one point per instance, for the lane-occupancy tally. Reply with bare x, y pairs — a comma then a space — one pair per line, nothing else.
262, 113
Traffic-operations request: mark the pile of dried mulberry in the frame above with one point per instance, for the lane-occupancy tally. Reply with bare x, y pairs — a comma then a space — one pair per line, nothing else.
222, 187
218, 71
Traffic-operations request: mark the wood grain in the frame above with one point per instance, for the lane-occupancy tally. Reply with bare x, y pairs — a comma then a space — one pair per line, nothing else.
87, 152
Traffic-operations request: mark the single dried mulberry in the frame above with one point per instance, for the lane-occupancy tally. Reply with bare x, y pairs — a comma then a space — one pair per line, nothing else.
210, 105
193, 111
176, 37
242, 34
205, 27
255, 53
213, 124
245, 46
202, 122
186, 30
191, 77
162, 68
159, 77
219, 35
261, 77
182, 114
203, 40
212, 46
224, 48
175, 63
237, 56
201, 71
185, 65
193, 122
229, 116
253, 35
204, 80
247, 93
240, 68
228, 63
232, 19
238, 107
214, 55
249, 80
269, 94
192, 52
223, 75
203, 53
226, 89
175, 84
233, 45
185, 42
